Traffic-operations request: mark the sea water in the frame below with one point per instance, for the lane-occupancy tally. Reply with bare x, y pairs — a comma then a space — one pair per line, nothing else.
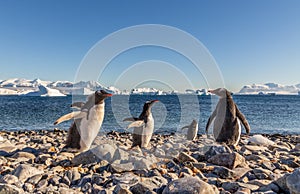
265, 114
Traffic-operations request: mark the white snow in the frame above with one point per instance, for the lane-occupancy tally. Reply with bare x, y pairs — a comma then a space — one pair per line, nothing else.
146, 91
45, 91
4, 91
260, 140
270, 88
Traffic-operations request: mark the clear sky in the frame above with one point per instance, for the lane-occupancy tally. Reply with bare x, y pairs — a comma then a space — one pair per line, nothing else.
252, 41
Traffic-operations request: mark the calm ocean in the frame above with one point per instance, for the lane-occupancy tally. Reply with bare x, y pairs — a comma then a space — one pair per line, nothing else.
266, 114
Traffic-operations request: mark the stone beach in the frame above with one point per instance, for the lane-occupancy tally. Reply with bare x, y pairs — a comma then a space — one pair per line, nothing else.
34, 162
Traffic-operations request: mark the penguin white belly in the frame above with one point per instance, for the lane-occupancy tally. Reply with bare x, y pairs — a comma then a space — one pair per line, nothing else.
192, 131
239, 132
144, 133
89, 127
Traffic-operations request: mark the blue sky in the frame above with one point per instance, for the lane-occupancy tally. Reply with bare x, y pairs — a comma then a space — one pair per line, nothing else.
251, 41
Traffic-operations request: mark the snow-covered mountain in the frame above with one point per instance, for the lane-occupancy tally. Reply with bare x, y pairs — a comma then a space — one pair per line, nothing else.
45, 91
270, 88
38, 87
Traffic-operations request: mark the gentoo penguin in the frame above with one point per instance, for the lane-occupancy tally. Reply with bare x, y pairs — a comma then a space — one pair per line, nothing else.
192, 130
87, 121
227, 118
143, 126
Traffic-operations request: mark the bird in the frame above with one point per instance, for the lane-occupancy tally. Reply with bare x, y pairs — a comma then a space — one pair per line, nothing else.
87, 121
227, 119
192, 130
143, 126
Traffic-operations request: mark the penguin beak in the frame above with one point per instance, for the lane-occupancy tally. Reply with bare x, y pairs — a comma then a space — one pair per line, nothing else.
153, 101
103, 93
107, 95
211, 91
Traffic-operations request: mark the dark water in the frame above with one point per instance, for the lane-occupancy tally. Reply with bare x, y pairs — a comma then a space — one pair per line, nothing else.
266, 114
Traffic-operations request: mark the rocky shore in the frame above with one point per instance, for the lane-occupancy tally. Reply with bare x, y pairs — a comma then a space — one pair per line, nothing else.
34, 162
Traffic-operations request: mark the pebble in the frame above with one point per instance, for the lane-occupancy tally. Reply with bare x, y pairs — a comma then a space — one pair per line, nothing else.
33, 162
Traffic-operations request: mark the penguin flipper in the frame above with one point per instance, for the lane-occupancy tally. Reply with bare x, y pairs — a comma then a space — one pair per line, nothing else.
185, 127
243, 119
136, 124
77, 105
211, 118
131, 119
72, 115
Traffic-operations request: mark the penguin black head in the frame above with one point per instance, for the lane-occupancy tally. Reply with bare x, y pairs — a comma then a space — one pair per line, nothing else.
98, 96
149, 104
222, 92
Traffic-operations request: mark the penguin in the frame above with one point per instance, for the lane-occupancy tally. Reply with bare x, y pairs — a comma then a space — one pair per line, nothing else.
87, 121
227, 119
192, 130
143, 126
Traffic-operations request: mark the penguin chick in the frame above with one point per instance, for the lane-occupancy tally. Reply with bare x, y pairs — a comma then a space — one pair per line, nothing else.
143, 126
87, 121
227, 118
192, 130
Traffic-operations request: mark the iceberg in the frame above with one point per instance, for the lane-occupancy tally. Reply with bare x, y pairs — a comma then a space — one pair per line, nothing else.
270, 89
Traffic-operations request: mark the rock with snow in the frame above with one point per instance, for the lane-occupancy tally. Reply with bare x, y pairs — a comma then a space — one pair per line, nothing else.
260, 140
45, 91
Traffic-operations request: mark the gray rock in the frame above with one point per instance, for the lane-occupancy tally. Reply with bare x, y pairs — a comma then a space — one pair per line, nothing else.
87, 188
261, 173
105, 151
142, 163
84, 180
281, 182
9, 179
23, 172
223, 172
65, 179
184, 157
73, 175
293, 182
268, 165
97, 179
84, 158
242, 190
55, 180
229, 160
42, 184
188, 185
23, 155
63, 190
217, 149
121, 190
95, 155
10, 189
120, 154
28, 187
118, 167
35, 179
140, 188
232, 187
186, 170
